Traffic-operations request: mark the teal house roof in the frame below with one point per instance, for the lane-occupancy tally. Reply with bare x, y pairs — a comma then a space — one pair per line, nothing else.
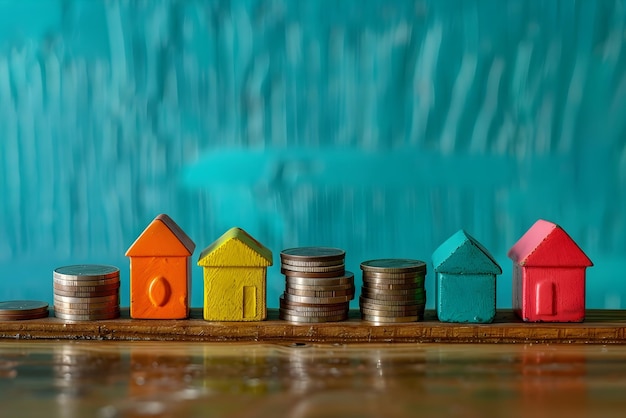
463, 254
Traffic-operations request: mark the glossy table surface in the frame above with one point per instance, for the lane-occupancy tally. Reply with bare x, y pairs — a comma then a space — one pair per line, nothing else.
176, 379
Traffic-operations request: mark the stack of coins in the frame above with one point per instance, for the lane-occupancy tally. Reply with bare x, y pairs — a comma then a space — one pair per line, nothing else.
18, 310
86, 292
393, 290
318, 288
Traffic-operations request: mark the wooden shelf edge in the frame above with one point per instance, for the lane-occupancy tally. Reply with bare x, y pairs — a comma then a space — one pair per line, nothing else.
600, 327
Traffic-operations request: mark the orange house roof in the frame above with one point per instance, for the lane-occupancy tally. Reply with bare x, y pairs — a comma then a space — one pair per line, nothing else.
162, 238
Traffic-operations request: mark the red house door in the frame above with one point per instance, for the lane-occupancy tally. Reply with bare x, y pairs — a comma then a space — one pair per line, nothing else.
545, 303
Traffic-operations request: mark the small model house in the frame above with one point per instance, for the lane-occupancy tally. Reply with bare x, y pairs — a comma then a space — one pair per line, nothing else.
160, 271
548, 275
235, 270
465, 280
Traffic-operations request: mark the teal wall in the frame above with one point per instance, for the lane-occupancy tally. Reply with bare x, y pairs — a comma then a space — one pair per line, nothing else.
378, 126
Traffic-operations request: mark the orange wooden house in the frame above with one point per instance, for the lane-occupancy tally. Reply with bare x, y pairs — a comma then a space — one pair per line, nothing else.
160, 271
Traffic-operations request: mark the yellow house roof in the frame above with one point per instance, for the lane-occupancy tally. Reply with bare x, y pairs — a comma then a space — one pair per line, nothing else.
236, 248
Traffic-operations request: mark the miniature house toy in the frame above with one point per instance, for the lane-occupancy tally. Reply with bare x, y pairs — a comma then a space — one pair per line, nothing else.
548, 275
160, 271
465, 280
235, 271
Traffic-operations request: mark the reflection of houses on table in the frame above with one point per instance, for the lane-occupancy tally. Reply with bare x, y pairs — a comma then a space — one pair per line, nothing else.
465, 280
235, 270
160, 271
548, 275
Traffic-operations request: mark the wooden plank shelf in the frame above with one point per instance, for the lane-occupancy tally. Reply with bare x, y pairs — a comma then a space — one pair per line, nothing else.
600, 327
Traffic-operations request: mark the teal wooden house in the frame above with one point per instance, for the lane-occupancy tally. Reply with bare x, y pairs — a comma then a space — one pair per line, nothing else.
465, 280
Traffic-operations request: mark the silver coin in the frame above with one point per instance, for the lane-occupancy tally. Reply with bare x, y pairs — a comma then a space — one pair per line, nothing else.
86, 317
385, 297
320, 293
312, 254
381, 282
317, 301
86, 306
103, 311
87, 283
392, 292
338, 269
321, 287
394, 265
86, 272
308, 306
313, 313
344, 279
390, 275
287, 263
391, 308
378, 312
101, 299
363, 299
387, 287
314, 274
312, 319
389, 319
77, 294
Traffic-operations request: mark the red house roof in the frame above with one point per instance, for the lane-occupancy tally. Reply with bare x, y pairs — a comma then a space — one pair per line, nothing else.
548, 245
162, 238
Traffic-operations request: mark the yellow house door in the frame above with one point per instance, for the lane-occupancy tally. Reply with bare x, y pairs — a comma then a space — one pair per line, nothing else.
249, 302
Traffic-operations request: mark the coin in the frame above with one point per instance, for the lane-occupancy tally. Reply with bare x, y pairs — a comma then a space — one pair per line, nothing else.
363, 299
394, 265
307, 254
322, 287
311, 307
86, 317
21, 306
387, 287
24, 316
17, 310
382, 312
310, 262
390, 292
338, 269
312, 319
390, 308
389, 319
101, 299
79, 294
346, 278
86, 272
314, 300
385, 282
313, 275
86, 306
313, 313
320, 293
87, 283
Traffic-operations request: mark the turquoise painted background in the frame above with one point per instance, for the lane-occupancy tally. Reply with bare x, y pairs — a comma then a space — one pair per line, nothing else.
381, 127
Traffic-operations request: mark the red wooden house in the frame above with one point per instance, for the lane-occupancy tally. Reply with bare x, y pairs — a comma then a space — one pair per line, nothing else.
548, 275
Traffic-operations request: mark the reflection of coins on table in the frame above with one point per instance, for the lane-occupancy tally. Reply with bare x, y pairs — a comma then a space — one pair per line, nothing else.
393, 290
86, 292
317, 286
18, 310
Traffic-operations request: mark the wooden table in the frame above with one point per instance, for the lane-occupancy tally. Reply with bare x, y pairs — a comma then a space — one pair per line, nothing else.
600, 327
197, 379
137, 368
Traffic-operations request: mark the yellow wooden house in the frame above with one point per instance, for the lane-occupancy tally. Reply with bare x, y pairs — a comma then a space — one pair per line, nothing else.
235, 274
